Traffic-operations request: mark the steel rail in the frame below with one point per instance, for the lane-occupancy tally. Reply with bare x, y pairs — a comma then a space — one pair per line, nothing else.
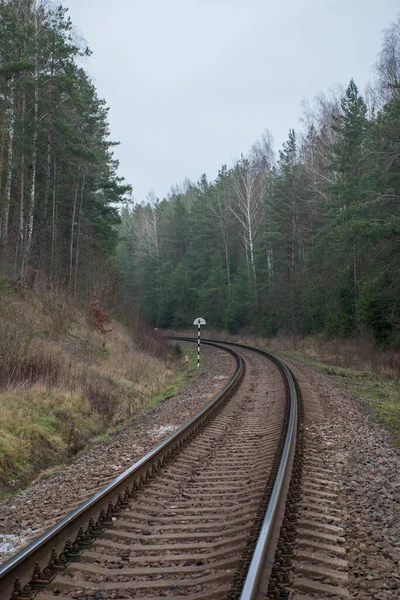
39, 551
259, 572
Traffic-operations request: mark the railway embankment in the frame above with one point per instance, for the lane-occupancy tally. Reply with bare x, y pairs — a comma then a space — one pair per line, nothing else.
187, 524
26, 514
353, 462
68, 374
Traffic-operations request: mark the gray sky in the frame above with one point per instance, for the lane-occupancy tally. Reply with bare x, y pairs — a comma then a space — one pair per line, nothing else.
193, 83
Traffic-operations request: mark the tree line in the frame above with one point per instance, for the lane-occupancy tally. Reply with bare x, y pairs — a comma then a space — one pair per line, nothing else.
59, 188
306, 242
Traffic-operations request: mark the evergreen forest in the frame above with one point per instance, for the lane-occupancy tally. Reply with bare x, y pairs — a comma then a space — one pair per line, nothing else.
59, 188
305, 242
302, 241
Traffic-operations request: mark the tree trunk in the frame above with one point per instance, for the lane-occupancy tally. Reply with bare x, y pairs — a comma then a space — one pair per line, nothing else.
293, 264
355, 285
228, 270
43, 222
78, 234
71, 247
3, 131
270, 266
7, 197
251, 245
31, 212
53, 225
21, 225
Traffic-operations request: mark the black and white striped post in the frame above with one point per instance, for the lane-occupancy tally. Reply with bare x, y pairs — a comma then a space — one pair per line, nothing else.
199, 322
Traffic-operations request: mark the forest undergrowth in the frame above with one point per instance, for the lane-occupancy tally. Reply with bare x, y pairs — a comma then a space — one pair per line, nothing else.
66, 378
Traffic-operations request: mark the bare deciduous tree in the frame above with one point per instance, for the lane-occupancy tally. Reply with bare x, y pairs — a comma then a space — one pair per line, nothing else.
249, 182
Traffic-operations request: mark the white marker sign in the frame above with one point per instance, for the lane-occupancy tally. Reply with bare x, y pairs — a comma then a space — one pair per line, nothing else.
199, 322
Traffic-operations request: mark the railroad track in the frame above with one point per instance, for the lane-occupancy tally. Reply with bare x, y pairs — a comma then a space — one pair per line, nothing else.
200, 516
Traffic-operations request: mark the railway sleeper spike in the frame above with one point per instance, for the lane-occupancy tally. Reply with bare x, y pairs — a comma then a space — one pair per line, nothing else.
27, 593
67, 547
49, 570
274, 570
75, 553
63, 561
100, 522
118, 510
17, 587
87, 540
282, 545
90, 530
98, 529
58, 562
273, 585
36, 571
108, 521
79, 536
78, 542
41, 579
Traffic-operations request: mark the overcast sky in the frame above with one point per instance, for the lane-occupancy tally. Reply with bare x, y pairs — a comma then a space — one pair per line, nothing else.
193, 83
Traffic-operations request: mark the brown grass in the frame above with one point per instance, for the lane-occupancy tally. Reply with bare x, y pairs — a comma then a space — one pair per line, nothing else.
360, 353
62, 382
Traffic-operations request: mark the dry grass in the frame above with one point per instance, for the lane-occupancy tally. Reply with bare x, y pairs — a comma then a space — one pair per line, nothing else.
62, 383
367, 371
360, 353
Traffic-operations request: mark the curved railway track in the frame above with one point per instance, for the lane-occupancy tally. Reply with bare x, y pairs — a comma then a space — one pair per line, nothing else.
198, 517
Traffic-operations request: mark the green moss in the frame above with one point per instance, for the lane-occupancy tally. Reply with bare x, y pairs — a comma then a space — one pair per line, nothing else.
39, 427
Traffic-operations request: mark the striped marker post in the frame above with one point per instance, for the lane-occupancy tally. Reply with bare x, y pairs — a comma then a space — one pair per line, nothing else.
199, 322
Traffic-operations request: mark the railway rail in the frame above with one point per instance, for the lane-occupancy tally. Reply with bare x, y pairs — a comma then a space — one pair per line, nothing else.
200, 516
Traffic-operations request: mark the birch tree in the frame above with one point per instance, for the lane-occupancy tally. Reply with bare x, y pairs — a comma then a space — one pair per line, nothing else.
249, 180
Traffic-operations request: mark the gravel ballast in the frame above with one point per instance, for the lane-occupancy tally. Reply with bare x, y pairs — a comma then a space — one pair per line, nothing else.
367, 468
359, 451
25, 516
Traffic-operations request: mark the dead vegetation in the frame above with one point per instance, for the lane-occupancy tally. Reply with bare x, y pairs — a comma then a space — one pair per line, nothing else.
359, 353
367, 370
64, 380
